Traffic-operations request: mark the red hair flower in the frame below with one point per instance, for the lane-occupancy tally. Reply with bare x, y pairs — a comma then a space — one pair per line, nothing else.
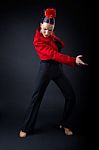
50, 13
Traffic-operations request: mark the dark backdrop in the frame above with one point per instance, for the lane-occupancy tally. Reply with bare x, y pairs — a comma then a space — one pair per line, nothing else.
19, 61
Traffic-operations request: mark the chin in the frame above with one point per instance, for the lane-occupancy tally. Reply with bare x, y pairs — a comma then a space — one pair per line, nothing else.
46, 36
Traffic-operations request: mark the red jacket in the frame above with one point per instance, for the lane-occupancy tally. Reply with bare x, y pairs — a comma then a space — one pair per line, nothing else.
47, 49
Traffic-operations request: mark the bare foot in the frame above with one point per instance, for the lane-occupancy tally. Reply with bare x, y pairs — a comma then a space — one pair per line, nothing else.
22, 134
68, 131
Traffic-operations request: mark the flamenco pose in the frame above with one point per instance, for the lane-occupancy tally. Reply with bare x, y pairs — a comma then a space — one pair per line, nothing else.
48, 47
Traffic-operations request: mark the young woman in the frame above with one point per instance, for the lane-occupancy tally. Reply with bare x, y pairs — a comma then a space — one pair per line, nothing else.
48, 47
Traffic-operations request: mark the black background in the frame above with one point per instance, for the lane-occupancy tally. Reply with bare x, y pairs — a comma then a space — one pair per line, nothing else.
76, 26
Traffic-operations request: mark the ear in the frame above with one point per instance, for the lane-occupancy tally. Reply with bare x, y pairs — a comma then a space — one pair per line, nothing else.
41, 25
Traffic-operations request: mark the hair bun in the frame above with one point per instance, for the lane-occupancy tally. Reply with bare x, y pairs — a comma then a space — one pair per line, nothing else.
50, 13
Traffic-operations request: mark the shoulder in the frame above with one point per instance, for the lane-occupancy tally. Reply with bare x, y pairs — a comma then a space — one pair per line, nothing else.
39, 38
57, 39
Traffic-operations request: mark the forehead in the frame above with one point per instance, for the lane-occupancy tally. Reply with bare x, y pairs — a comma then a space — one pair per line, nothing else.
47, 25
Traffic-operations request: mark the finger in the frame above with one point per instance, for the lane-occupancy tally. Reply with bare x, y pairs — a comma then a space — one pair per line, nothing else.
85, 64
80, 55
81, 62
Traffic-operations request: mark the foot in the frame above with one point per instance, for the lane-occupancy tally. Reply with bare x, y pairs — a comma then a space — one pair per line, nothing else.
68, 131
22, 134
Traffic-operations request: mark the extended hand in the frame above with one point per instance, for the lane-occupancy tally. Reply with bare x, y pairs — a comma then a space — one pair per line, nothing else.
79, 61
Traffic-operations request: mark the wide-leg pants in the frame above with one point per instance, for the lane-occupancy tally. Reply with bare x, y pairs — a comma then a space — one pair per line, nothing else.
49, 70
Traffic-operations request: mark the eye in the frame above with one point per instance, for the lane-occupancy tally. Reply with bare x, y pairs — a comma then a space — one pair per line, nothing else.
45, 29
50, 30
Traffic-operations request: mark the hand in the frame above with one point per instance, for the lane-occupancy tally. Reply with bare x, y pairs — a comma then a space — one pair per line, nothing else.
79, 61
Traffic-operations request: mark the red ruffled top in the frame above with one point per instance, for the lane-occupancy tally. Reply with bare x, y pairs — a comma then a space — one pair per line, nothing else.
47, 49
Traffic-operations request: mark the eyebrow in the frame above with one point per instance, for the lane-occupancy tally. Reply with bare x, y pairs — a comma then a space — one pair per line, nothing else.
48, 29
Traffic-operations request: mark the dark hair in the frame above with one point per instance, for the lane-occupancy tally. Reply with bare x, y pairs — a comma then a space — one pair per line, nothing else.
48, 20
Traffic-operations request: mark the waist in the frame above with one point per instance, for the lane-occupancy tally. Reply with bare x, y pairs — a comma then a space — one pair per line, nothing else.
50, 61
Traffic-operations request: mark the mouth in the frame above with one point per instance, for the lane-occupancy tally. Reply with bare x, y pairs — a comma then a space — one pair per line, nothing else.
46, 35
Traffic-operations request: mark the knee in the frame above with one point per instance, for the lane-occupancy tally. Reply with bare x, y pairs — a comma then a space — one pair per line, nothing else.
73, 99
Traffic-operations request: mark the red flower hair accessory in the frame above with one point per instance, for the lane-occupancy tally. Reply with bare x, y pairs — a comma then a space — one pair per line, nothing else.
50, 13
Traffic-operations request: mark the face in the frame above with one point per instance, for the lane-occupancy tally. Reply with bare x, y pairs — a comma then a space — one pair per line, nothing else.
46, 29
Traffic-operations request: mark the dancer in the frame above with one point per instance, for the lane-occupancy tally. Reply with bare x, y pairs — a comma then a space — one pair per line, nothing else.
48, 47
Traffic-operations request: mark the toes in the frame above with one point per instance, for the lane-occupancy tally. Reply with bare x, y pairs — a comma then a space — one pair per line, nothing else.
68, 131
22, 134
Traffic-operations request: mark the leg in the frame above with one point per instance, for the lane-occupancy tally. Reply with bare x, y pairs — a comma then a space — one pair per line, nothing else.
31, 114
67, 90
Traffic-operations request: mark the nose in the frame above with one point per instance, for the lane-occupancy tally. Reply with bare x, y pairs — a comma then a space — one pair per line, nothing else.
47, 32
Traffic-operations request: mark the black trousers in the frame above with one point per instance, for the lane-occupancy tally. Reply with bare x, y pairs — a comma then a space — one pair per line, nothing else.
49, 70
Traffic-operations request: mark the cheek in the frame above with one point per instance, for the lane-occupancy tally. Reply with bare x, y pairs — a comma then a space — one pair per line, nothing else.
50, 32
42, 31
